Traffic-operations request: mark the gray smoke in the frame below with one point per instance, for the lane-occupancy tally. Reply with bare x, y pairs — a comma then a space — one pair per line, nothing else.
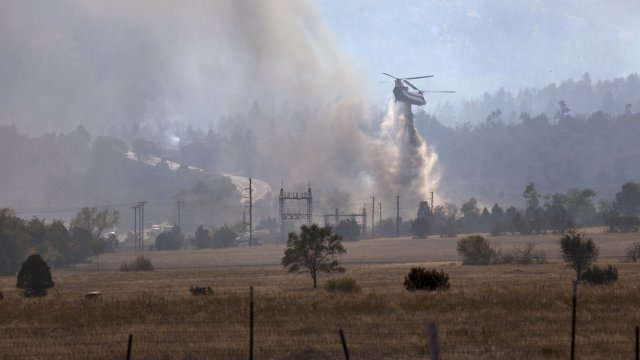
272, 67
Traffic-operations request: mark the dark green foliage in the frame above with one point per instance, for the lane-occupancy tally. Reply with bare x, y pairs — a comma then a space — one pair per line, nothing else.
224, 237
13, 242
96, 222
313, 251
445, 219
139, 264
623, 215
475, 250
34, 277
203, 240
498, 224
349, 230
470, 215
170, 240
531, 196
424, 211
578, 251
201, 290
420, 228
387, 227
423, 279
628, 199
215, 196
344, 285
596, 276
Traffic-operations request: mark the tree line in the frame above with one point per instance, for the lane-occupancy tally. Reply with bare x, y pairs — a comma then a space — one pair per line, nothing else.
58, 244
554, 213
557, 150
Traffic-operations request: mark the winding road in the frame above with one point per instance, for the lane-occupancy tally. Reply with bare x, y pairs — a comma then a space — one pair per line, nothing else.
260, 188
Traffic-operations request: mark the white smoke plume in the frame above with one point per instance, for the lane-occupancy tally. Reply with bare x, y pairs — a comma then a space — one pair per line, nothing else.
273, 67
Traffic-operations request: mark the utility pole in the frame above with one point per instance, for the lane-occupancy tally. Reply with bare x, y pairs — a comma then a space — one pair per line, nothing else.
397, 215
380, 211
141, 205
373, 217
250, 212
179, 204
432, 202
135, 228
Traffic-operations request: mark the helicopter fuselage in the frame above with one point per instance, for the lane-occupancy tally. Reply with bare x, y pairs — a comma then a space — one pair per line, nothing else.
403, 94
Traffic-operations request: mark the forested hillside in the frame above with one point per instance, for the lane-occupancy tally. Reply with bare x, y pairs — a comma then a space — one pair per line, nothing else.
54, 175
584, 97
493, 160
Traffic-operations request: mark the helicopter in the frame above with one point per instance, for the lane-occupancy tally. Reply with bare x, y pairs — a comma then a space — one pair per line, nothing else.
403, 94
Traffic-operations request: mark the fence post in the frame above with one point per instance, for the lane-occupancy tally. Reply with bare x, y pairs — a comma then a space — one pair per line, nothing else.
129, 347
251, 323
573, 321
637, 342
344, 344
432, 334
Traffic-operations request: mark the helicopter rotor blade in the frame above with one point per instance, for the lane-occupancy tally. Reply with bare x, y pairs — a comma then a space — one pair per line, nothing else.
419, 77
412, 86
441, 91
391, 76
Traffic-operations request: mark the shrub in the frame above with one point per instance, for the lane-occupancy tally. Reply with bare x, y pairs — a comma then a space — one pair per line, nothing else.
475, 250
224, 237
34, 277
596, 276
201, 290
170, 240
347, 285
348, 229
523, 256
423, 279
578, 251
140, 264
633, 252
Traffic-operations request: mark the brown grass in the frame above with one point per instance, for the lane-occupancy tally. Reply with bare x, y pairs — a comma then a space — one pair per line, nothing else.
505, 312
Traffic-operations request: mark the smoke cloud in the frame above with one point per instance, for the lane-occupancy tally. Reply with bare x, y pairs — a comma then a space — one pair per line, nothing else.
272, 67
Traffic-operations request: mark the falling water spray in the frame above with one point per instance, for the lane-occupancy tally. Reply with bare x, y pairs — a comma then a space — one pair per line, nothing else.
411, 166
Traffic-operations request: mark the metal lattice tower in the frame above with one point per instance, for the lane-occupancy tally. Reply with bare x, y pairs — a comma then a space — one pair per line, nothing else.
337, 216
289, 214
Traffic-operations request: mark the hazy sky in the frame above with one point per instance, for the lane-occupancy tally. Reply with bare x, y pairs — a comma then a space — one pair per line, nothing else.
474, 46
109, 64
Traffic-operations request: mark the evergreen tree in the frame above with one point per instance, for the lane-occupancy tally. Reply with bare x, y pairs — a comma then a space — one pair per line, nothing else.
34, 277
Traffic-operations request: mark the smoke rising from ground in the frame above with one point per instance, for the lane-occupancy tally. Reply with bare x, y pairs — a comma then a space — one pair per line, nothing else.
272, 67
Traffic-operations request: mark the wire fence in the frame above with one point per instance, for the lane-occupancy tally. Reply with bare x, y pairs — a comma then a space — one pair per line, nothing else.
462, 340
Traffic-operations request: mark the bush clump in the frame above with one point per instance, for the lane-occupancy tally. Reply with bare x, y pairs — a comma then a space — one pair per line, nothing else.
475, 250
598, 276
34, 277
346, 284
423, 279
201, 290
140, 264
633, 252
523, 256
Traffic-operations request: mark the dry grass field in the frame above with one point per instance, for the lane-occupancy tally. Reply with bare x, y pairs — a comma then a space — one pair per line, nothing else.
504, 312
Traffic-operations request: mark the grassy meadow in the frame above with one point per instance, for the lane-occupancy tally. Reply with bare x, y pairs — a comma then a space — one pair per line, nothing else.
502, 311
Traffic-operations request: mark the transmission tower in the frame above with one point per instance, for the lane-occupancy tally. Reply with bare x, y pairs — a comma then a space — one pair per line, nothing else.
337, 216
288, 214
